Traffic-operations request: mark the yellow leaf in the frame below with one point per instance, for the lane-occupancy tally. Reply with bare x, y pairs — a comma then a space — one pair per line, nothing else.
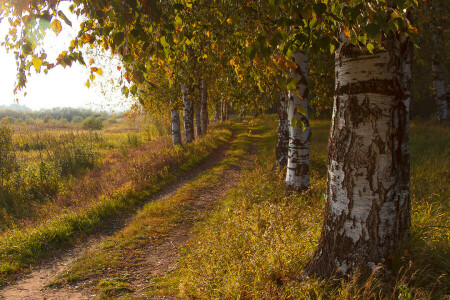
207, 33
347, 31
56, 26
229, 21
37, 63
99, 71
91, 61
88, 84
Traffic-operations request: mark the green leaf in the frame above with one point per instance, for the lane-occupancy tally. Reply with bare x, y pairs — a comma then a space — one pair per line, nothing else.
370, 47
163, 42
332, 48
251, 52
133, 90
320, 8
178, 21
64, 18
306, 12
294, 122
291, 84
373, 30
125, 91
301, 110
118, 38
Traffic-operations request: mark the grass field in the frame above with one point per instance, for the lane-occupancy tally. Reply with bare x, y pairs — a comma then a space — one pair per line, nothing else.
40, 161
112, 186
257, 241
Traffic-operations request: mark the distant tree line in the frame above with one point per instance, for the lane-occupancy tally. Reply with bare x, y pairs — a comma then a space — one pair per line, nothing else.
75, 115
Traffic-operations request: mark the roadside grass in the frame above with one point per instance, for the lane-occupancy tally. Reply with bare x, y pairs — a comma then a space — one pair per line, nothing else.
45, 162
109, 266
109, 192
257, 241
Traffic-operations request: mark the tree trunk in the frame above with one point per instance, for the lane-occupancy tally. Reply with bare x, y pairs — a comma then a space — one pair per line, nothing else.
367, 210
198, 124
204, 107
297, 173
176, 132
283, 133
440, 94
223, 114
188, 114
216, 116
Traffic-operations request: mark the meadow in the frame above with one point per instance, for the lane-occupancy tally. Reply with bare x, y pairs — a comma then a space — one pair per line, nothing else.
40, 160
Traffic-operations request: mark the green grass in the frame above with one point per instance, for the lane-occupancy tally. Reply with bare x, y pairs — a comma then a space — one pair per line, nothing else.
151, 224
257, 241
20, 248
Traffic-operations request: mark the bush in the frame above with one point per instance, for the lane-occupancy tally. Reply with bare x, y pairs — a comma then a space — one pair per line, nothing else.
77, 119
75, 159
92, 123
7, 156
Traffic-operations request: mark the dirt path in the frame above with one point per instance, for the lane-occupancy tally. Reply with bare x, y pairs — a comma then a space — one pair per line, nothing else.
161, 258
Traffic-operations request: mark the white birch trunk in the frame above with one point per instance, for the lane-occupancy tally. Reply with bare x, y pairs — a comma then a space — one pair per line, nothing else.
188, 114
176, 132
283, 133
198, 124
439, 86
217, 114
297, 173
367, 211
204, 107
223, 113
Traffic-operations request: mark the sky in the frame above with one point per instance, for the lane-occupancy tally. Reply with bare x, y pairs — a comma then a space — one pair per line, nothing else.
62, 87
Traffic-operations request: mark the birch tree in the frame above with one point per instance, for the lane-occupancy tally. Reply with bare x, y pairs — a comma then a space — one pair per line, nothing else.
437, 63
176, 132
297, 173
367, 210
204, 107
188, 114
282, 133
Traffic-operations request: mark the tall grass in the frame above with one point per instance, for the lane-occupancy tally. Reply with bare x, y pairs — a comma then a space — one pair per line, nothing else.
258, 240
117, 186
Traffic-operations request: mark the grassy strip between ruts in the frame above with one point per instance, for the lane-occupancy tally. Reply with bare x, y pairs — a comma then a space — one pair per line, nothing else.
257, 241
109, 267
19, 249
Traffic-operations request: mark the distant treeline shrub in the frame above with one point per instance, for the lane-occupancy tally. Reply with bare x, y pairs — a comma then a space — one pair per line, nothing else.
92, 123
67, 114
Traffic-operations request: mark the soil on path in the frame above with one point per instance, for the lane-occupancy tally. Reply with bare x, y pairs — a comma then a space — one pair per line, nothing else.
152, 261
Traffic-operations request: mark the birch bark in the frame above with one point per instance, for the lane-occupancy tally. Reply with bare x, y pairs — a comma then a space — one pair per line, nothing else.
367, 210
198, 124
176, 132
216, 115
297, 173
283, 133
204, 107
188, 114
439, 86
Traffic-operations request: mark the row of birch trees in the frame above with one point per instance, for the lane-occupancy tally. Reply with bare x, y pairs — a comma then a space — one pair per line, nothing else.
204, 53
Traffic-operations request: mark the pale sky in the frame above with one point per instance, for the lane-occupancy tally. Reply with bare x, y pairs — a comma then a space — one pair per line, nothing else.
62, 87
